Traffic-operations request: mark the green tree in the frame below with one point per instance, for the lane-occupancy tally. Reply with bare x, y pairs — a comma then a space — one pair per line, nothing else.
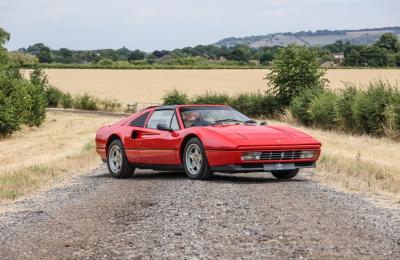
374, 56
266, 56
389, 42
22, 101
352, 58
41, 51
4, 36
240, 53
136, 55
65, 53
294, 69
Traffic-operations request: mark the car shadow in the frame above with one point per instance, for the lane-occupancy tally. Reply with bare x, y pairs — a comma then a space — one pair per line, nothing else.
217, 178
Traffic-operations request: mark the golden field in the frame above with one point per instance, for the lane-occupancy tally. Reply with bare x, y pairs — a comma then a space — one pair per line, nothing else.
61, 147
130, 86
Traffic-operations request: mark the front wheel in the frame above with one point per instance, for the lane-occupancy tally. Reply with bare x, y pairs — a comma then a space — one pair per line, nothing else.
195, 160
284, 175
117, 163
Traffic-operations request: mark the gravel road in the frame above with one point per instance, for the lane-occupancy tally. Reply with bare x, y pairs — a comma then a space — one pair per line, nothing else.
164, 215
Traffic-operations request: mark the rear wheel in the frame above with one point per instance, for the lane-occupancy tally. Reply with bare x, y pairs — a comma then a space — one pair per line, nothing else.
117, 163
284, 175
195, 160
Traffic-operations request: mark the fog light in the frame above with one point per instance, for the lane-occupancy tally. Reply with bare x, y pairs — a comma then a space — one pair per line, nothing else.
249, 156
307, 154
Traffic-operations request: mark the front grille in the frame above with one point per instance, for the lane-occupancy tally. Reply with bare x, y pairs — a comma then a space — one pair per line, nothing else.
280, 155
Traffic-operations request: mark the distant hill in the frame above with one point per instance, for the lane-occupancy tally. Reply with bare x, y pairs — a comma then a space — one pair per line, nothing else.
309, 38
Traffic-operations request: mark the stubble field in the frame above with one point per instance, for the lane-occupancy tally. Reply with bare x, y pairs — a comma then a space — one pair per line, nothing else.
130, 86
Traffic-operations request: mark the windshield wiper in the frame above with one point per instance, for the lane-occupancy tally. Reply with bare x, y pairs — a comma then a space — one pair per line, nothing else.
227, 120
250, 122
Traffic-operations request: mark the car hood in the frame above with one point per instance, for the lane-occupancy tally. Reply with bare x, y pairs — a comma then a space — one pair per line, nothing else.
256, 135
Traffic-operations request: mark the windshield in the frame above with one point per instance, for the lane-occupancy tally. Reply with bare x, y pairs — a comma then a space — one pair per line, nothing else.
206, 116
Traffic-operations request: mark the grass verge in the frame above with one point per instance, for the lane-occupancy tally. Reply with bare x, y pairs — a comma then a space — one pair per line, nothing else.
17, 183
35, 158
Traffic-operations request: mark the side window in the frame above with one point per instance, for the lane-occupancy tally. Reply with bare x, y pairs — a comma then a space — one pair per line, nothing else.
160, 117
139, 122
174, 123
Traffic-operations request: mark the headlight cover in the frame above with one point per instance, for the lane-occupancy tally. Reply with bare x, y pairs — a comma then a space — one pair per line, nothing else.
250, 156
307, 154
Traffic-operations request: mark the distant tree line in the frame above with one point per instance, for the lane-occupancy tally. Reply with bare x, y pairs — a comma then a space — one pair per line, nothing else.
384, 52
202, 53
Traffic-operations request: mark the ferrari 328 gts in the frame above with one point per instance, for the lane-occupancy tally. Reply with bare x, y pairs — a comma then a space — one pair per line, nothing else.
201, 140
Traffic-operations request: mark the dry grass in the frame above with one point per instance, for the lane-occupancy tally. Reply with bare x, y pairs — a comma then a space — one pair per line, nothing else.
61, 147
358, 163
131, 86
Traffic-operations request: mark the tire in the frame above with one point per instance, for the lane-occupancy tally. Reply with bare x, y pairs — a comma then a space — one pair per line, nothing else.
285, 175
118, 165
195, 161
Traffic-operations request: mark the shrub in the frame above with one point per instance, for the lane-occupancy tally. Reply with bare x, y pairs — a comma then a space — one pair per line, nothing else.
369, 107
248, 103
67, 100
344, 110
271, 106
322, 110
85, 102
392, 118
110, 105
212, 98
37, 112
300, 106
53, 96
175, 97
15, 103
257, 104
105, 62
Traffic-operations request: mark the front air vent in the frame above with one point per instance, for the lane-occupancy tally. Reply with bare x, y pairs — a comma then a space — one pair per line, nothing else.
280, 155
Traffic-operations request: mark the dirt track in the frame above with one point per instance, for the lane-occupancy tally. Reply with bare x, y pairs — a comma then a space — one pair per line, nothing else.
165, 215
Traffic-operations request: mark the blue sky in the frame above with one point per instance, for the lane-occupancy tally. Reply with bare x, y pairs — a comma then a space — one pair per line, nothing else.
168, 24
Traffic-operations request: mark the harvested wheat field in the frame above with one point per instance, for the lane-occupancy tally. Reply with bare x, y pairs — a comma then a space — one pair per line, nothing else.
131, 86
62, 146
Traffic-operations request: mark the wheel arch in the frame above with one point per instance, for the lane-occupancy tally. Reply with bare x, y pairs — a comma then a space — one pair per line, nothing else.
183, 144
110, 139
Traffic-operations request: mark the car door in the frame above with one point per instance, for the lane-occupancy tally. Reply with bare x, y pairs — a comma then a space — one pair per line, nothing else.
160, 147
131, 141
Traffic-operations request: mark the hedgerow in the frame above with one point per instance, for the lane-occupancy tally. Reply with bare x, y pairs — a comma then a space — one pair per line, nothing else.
372, 109
56, 98
322, 110
251, 104
175, 97
210, 97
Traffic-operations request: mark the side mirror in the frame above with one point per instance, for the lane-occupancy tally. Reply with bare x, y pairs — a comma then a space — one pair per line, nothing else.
163, 127
263, 123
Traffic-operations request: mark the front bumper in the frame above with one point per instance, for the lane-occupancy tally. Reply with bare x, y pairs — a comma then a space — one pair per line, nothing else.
266, 167
231, 161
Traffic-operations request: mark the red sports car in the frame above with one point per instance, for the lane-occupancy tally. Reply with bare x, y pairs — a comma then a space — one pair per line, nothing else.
202, 139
